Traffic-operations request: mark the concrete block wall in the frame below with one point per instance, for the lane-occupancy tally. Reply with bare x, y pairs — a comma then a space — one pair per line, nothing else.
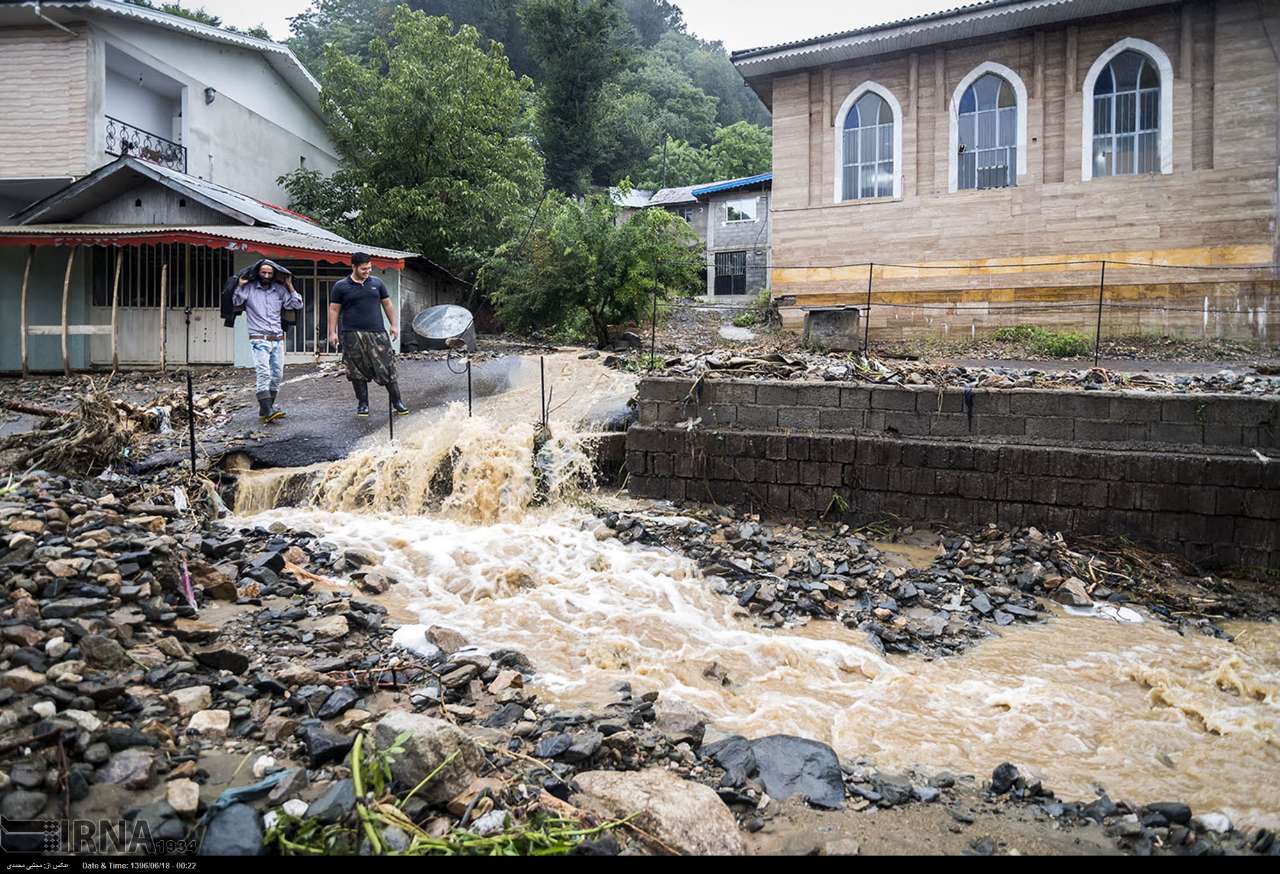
1203, 422
1216, 504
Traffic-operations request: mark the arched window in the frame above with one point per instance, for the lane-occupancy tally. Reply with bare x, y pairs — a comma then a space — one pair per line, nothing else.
988, 132
868, 148
1128, 107
1126, 117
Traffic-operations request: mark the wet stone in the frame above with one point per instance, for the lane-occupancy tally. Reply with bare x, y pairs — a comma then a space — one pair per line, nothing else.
555, 745
324, 746
234, 831
338, 702
1003, 778
21, 804
334, 805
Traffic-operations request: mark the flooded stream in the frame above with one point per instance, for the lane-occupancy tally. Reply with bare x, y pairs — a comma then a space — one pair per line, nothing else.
1080, 701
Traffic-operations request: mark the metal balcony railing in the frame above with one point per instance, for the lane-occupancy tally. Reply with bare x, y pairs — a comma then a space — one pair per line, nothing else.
125, 139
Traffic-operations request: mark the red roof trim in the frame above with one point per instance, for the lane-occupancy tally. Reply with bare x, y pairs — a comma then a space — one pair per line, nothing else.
267, 250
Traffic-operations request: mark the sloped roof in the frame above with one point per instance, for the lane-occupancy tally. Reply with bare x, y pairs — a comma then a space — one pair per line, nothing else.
636, 198
961, 22
691, 193
281, 59
111, 180
267, 241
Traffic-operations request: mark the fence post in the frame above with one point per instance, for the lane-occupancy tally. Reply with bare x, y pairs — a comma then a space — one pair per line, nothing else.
653, 328
1097, 338
866, 328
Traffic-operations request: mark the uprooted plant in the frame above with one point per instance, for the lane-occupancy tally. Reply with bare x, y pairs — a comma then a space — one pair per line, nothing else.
379, 811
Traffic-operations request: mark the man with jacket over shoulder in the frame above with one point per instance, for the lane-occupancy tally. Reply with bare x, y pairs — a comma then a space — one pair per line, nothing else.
357, 305
264, 298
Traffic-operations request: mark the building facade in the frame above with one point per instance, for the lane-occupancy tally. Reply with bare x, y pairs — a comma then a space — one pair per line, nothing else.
87, 81
976, 167
732, 220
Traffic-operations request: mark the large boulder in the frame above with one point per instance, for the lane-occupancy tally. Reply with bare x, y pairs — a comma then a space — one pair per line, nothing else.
687, 817
233, 831
789, 766
429, 742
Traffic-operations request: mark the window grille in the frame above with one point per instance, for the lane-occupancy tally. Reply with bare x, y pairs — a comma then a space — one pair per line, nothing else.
868, 149
988, 127
731, 273
196, 272
1126, 117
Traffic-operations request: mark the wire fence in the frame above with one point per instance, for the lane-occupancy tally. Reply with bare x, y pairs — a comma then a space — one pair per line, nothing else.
1094, 296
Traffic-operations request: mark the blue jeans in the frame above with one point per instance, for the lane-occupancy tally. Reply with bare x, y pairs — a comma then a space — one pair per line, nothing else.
268, 364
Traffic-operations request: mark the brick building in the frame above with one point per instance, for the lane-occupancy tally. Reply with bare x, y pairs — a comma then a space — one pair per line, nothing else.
982, 147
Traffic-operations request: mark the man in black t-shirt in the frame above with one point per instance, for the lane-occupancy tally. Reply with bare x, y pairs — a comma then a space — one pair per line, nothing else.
356, 307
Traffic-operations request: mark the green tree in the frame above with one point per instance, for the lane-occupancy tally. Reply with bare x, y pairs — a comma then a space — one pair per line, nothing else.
201, 16
583, 270
428, 133
708, 66
741, 149
579, 46
350, 25
675, 164
653, 18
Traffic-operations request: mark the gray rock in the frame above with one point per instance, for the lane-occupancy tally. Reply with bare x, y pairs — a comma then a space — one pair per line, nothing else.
324, 746
795, 766
1173, 811
680, 723
429, 742
339, 701
103, 652
1003, 778
132, 768
335, 804
233, 831
21, 804
584, 747
735, 756
687, 816
555, 745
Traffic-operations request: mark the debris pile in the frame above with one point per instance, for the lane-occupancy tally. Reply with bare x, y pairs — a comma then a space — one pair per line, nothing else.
880, 371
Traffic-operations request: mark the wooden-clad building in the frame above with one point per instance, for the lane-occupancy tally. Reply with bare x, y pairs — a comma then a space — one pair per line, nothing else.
989, 158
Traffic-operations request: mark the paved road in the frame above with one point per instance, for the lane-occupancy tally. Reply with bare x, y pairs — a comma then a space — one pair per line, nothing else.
322, 425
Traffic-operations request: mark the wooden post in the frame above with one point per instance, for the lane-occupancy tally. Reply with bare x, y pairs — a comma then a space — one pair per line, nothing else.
115, 307
164, 309
66, 306
26, 277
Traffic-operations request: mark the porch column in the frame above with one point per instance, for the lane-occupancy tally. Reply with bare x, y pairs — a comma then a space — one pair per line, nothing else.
66, 304
22, 307
164, 309
115, 307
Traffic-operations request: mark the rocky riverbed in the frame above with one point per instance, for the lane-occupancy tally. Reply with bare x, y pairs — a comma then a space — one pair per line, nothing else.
210, 683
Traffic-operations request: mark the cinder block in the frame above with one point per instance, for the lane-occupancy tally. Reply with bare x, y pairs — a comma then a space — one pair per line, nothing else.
1262, 504
948, 425
732, 392
820, 449
798, 447
1244, 411
664, 388
803, 499
1015, 426
1184, 411
761, 417
1257, 534
720, 416
840, 419
810, 473
1175, 433
1123, 496
1047, 428
844, 449
798, 418
777, 394
787, 472
900, 400
818, 395
1107, 431
855, 398
777, 447
779, 497
1135, 408
1035, 404
1223, 435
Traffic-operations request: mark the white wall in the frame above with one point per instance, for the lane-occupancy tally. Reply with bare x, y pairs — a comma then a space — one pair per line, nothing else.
257, 127
141, 107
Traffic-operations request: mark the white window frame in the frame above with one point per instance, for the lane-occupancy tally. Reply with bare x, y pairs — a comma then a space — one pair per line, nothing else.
1163, 67
754, 200
953, 120
896, 108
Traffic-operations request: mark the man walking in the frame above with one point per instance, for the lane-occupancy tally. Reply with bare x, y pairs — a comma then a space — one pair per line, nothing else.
356, 307
263, 298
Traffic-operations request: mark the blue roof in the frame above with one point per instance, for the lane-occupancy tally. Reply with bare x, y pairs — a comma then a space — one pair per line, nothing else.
745, 182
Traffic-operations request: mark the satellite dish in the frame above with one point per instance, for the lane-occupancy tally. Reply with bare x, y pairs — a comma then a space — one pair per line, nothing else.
438, 325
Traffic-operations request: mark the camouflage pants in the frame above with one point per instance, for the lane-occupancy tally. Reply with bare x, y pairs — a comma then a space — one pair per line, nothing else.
369, 357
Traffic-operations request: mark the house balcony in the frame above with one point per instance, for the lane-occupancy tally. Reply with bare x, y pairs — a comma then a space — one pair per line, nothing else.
125, 139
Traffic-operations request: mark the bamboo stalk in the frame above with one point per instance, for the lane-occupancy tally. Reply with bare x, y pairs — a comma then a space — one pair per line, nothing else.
66, 307
115, 306
26, 276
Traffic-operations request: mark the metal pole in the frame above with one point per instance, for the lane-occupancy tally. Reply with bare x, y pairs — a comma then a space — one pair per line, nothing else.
542, 368
653, 330
391, 417
191, 420
866, 329
1097, 340
468, 388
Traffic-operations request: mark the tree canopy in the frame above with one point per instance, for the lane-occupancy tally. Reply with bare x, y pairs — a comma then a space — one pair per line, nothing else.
583, 269
429, 129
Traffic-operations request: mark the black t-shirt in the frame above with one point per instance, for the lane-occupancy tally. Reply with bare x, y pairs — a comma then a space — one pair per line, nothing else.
361, 304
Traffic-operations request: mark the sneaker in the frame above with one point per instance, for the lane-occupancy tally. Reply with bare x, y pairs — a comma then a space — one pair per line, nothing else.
363, 411
276, 413
400, 408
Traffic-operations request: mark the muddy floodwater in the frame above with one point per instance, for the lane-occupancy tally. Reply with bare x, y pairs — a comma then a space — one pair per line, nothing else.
1083, 702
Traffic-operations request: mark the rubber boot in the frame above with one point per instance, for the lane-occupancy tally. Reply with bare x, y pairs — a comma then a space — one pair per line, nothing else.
362, 397
264, 407
276, 412
393, 391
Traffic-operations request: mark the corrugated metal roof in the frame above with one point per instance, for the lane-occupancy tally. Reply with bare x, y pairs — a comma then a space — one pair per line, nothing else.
731, 184
673, 196
962, 22
636, 198
216, 236
281, 59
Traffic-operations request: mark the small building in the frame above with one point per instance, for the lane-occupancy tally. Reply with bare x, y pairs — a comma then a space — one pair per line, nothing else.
104, 273
987, 159
732, 218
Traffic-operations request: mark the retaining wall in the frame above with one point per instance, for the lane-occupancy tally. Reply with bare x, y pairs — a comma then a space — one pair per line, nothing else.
1173, 471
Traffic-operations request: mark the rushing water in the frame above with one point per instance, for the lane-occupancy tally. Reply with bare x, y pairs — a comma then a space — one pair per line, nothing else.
1082, 701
